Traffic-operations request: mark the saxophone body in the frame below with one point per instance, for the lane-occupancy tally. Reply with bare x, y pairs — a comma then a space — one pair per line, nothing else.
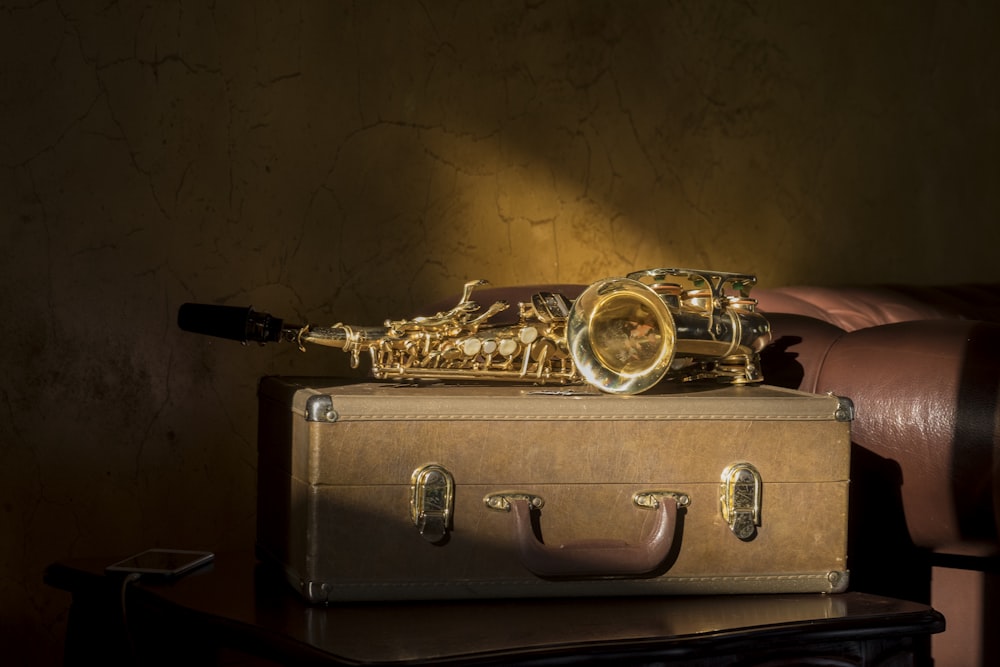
621, 335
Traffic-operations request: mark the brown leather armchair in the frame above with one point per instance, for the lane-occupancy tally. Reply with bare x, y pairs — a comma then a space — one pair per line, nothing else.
922, 365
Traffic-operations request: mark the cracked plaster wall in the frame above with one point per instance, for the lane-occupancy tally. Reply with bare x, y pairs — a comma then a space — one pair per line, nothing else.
353, 160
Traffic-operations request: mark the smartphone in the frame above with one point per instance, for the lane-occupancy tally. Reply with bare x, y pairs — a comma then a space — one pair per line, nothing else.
167, 563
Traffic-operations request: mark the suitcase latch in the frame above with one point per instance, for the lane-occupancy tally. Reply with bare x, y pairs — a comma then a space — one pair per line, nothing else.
432, 501
740, 499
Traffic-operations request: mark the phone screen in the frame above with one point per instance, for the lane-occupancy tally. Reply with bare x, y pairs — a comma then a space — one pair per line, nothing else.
163, 562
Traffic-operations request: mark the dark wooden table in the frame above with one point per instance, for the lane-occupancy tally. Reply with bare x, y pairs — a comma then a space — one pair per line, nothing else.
237, 612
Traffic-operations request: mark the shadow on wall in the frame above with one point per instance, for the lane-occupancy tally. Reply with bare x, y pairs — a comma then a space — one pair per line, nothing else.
544, 146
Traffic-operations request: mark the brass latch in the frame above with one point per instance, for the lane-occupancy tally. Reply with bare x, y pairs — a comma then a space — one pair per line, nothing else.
740, 499
432, 501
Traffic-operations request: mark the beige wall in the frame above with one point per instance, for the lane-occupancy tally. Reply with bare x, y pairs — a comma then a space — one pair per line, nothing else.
352, 161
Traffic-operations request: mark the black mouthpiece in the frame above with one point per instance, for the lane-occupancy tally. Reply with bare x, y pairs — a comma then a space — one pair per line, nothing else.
229, 322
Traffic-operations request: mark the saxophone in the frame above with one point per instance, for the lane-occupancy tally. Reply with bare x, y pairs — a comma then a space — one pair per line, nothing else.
621, 335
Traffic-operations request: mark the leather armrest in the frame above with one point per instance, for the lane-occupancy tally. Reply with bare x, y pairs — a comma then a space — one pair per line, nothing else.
927, 396
798, 348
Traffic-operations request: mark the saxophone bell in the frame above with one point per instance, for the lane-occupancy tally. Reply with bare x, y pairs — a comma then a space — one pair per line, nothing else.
621, 335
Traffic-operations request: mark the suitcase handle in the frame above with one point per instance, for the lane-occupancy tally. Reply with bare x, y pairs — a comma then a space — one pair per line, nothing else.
598, 557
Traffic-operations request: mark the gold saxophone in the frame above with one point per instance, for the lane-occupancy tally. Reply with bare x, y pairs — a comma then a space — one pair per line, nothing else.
621, 335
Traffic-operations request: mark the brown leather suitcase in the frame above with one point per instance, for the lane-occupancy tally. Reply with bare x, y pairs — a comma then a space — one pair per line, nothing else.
373, 491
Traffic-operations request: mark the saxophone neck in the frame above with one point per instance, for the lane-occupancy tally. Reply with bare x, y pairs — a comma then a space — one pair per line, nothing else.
349, 338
